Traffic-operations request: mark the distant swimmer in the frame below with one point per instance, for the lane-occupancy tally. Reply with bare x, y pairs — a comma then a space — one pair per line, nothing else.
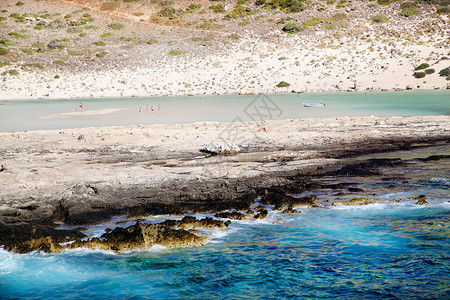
140, 109
153, 109
159, 106
81, 104
146, 108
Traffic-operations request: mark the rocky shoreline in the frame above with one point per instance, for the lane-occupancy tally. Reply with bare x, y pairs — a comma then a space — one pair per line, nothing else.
51, 178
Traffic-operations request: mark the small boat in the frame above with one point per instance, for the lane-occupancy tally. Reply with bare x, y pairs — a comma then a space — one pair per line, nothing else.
321, 104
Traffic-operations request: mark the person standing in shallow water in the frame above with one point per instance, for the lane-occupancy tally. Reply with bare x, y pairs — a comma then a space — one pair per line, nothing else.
81, 105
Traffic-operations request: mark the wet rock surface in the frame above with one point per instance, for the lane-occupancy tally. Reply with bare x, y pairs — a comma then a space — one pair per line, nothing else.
354, 201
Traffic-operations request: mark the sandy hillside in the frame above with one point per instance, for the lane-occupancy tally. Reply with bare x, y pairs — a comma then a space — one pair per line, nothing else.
145, 48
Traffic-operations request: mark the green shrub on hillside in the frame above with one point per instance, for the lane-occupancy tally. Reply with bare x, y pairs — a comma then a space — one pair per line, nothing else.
386, 2
175, 52
379, 19
283, 84
408, 9
168, 12
3, 51
107, 34
292, 6
239, 12
193, 7
7, 43
421, 67
429, 71
445, 72
291, 28
99, 43
101, 54
13, 72
419, 75
116, 26
217, 8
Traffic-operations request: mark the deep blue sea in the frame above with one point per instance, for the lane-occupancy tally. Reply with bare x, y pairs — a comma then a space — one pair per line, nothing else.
392, 250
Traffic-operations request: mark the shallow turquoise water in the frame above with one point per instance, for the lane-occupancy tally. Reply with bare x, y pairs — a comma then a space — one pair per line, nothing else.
58, 114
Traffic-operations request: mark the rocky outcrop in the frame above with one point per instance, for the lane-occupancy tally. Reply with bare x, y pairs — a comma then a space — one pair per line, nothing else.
354, 201
290, 210
422, 202
220, 149
262, 214
204, 223
281, 200
170, 233
231, 215
142, 236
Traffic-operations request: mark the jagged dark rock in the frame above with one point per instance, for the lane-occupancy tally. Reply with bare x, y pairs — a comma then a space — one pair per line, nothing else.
231, 215
290, 210
262, 214
422, 202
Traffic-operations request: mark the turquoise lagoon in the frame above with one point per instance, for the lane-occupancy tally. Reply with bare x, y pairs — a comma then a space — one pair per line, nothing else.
59, 114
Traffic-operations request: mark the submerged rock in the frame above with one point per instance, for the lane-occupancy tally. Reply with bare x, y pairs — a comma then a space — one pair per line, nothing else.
354, 201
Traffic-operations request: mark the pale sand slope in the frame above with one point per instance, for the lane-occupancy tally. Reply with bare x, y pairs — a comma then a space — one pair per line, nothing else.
255, 64
44, 165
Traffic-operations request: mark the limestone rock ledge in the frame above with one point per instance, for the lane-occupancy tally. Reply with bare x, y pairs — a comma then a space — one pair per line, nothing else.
139, 236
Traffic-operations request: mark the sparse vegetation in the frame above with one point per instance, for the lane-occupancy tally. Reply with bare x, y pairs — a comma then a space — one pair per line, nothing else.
107, 34
419, 75
7, 43
99, 43
13, 72
218, 9
3, 51
168, 12
152, 41
28, 51
379, 19
193, 7
283, 84
291, 28
429, 71
175, 52
116, 26
291, 6
59, 62
445, 72
234, 36
101, 54
421, 67
32, 65
409, 9
110, 5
